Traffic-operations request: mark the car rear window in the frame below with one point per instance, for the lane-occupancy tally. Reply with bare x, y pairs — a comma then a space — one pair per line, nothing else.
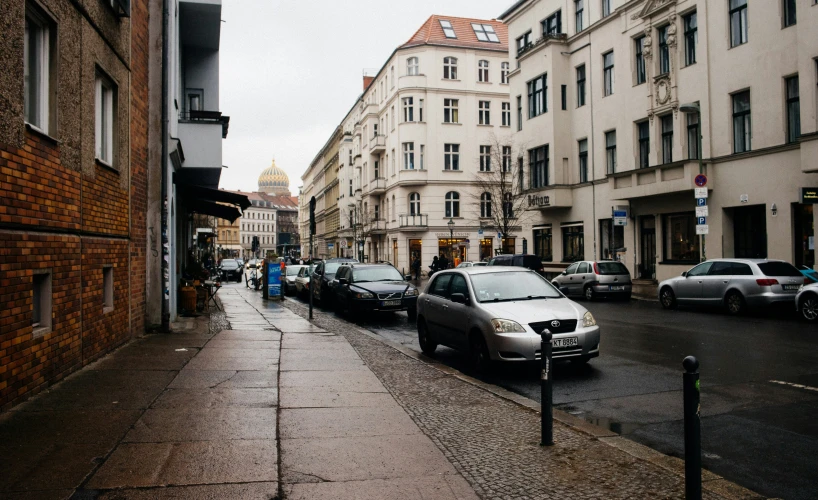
612, 268
779, 269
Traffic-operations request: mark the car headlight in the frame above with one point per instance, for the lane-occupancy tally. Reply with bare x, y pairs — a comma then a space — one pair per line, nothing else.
362, 295
588, 320
411, 292
506, 326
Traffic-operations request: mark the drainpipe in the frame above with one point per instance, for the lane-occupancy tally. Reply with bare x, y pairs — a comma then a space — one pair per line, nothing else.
164, 163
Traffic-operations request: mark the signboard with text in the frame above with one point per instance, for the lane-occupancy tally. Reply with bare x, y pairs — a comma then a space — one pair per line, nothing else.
809, 195
273, 279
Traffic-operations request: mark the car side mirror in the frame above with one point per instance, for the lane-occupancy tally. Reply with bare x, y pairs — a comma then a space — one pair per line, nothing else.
684, 274
564, 273
343, 281
459, 298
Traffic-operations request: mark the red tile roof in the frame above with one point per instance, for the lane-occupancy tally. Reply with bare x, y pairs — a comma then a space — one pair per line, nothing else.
431, 33
280, 202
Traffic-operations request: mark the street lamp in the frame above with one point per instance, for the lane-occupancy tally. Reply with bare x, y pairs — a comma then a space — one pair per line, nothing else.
690, 108
451, 238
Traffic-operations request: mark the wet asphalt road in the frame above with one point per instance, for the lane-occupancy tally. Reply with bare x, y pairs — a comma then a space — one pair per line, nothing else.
757, 430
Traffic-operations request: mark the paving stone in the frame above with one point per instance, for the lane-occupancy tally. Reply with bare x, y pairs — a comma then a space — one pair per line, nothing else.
238, 364
296, 326
298, 397
228, 352
244, 491
439, 487
345, 422
212, 424
217, 398
356, 381
261, 335
327, 364
244, 344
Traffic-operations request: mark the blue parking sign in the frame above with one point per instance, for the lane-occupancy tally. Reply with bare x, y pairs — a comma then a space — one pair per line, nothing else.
700, 221
700, 202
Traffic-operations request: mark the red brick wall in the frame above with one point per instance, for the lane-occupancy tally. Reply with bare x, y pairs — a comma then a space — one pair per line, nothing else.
104, 202
102, 331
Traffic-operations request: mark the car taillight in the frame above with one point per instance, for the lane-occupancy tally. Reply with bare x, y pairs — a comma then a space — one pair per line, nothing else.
596, 268
807, 281
767, 282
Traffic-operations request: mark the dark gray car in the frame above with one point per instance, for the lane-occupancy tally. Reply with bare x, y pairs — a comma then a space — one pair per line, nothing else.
590, 279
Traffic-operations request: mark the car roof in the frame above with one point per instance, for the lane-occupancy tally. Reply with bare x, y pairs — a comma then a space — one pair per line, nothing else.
747, 261
358, 265
487, 270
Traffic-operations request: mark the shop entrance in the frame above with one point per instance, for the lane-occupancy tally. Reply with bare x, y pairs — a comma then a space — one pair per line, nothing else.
451, 250
395, 253
750, 232
485, 248
804, 242
415, 252
647, 231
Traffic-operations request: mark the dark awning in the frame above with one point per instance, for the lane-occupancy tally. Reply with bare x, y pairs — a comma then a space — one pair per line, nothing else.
215, 195
198, 176
208, 201
209, 208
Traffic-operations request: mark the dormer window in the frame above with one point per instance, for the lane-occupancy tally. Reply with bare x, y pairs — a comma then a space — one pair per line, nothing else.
448, 30
485, 33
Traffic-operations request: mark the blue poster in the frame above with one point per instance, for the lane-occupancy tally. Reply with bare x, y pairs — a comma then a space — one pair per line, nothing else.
273, 279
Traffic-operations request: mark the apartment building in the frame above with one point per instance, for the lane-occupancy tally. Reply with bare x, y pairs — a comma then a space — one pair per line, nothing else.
614, 96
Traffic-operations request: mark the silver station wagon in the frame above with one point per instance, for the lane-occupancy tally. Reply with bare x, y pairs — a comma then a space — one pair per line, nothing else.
497, 313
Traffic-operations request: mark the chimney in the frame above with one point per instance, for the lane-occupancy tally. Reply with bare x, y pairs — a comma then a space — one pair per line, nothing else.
367, 81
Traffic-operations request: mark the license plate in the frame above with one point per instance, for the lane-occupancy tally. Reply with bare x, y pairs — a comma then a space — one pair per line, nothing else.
617, 287
791, 287
566, 342
390, 303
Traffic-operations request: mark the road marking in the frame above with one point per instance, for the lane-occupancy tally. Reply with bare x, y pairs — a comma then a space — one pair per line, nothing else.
797, 386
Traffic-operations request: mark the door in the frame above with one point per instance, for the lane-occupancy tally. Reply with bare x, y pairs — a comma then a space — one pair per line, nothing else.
690, 288
804, 243
647, 265
750, 232
415, 252
582, 277
564, 280
456, 316
436, 298
716, 282
395, 253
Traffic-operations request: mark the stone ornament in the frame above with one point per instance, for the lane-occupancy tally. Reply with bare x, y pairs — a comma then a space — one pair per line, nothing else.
662, 91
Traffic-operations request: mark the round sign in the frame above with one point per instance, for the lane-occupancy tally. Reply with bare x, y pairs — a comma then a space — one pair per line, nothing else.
700, 180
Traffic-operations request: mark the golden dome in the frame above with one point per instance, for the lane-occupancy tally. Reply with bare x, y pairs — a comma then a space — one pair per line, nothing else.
274, 181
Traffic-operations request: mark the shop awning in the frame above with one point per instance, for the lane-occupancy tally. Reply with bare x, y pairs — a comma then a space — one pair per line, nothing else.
225, 212
208, 201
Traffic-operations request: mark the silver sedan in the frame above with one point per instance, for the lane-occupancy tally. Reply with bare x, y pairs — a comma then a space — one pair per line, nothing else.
806, 302
497, 313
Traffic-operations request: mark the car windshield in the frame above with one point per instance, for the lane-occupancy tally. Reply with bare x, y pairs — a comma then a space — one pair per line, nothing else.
508, 286
229, 263
292, 270
385, 273
612, 268
779, 269
331, 267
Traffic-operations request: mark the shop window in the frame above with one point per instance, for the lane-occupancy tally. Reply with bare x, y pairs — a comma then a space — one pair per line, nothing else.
542, 244
573, 243
681, 244
611, 239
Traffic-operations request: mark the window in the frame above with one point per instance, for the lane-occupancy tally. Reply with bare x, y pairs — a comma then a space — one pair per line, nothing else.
440, 287
542, 244
451, 156
377, 212
393, 162
506, 159
450, 68
350, 187
741, 122
485, 205
450, 108
41, 302
422, 151
409, 155
37, 69
447, 29
579, 7
738, 22
608, 72
376, 169
484, 117
641, 75
392, 76
506, 114
414, 204
692, 136
573, 243
519, 113
420, 110
610, 151
393, 118
520, 172
680, 240
552, 25
538, 167
793, 109
789, 12
606, 8
412, 68
107, 289
564, 96
664, 51
485, 33
667, 138
523, 43
644, 143
580, 86
504, 73
691, 35
485, 158
582, 146
483, 71
408, 109
452, 208
611, 239
536, 96
105, 105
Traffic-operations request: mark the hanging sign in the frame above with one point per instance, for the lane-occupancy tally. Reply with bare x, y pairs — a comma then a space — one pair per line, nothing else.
700, 192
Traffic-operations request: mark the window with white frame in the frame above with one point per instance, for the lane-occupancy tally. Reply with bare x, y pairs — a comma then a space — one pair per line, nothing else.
485, 33
412, 68
506, 159
105, 107
537, 88
393, 117
608, 72
409, 155
606, 8
450, 68
484, 112
452, 206
451, 157
393, 162
450, 111
504, 69
485, 205
37, 68
414, 204
485, 158
483, 71
448, 30
408, 109
420, 110
506, 114
392, 76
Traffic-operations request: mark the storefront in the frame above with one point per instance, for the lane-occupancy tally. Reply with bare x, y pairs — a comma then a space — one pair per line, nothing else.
486, 251
573, 241
453, 249
543, 243
804, 229
415, 252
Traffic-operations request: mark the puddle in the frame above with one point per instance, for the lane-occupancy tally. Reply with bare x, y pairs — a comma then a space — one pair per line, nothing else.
620, 428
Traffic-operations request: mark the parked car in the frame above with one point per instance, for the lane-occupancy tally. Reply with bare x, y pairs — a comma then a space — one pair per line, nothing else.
471, 264
736, 284
322, 277
373, 287
592, 279
520, 260
252, 263
499, 313
288, 280
230, 270
806, 302
302, 281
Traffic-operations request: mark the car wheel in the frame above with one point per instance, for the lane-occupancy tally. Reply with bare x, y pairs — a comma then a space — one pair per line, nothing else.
734, 303
809, 308
427, 343
412, 312
589, 293
667, 298
480, 358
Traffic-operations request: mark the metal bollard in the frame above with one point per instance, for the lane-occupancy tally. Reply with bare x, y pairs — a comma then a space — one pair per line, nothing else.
693, 431
546, 393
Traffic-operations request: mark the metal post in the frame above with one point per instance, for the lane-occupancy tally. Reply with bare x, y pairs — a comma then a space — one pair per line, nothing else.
546, 393
701, 171
310, 290
693, 435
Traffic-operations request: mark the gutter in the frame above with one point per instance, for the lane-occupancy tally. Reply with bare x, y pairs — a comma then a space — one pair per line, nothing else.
164, 162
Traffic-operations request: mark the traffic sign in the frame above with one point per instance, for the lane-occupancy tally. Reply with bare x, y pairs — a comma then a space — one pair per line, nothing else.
700, 192
702, 211
703, 229
620, 213
701, 202
701, 221
480, 232
700, 180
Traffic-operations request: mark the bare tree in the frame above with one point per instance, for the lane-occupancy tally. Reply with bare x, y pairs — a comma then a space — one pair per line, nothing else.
362, 224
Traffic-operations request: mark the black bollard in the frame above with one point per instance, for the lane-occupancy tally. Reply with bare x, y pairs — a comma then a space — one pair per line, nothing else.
547, 421
693, 431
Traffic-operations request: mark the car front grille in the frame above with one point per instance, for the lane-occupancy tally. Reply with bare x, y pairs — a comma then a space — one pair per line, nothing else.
565, 326
390, 296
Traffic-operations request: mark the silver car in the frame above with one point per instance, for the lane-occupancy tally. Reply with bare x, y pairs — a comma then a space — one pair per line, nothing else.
806, 302
591, 280
288, 280
736, 284
302, 281
471, 264
497, 313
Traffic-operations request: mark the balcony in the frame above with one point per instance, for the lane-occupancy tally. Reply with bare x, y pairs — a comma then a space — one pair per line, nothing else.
412, 81
550, 197
369, 109
670, 178
377, 144
415, 177
376, 186
377, 226
201, 140
416, 222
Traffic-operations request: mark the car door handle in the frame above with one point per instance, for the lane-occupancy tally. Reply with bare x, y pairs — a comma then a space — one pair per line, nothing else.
445, 306
700, 281
726, 281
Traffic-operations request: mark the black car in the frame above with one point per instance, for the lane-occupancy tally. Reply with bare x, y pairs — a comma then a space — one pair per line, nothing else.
322, 277
519, 260
374, 287
230, 270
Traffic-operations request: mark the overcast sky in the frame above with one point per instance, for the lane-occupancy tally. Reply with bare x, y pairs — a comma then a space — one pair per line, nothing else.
291, 69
